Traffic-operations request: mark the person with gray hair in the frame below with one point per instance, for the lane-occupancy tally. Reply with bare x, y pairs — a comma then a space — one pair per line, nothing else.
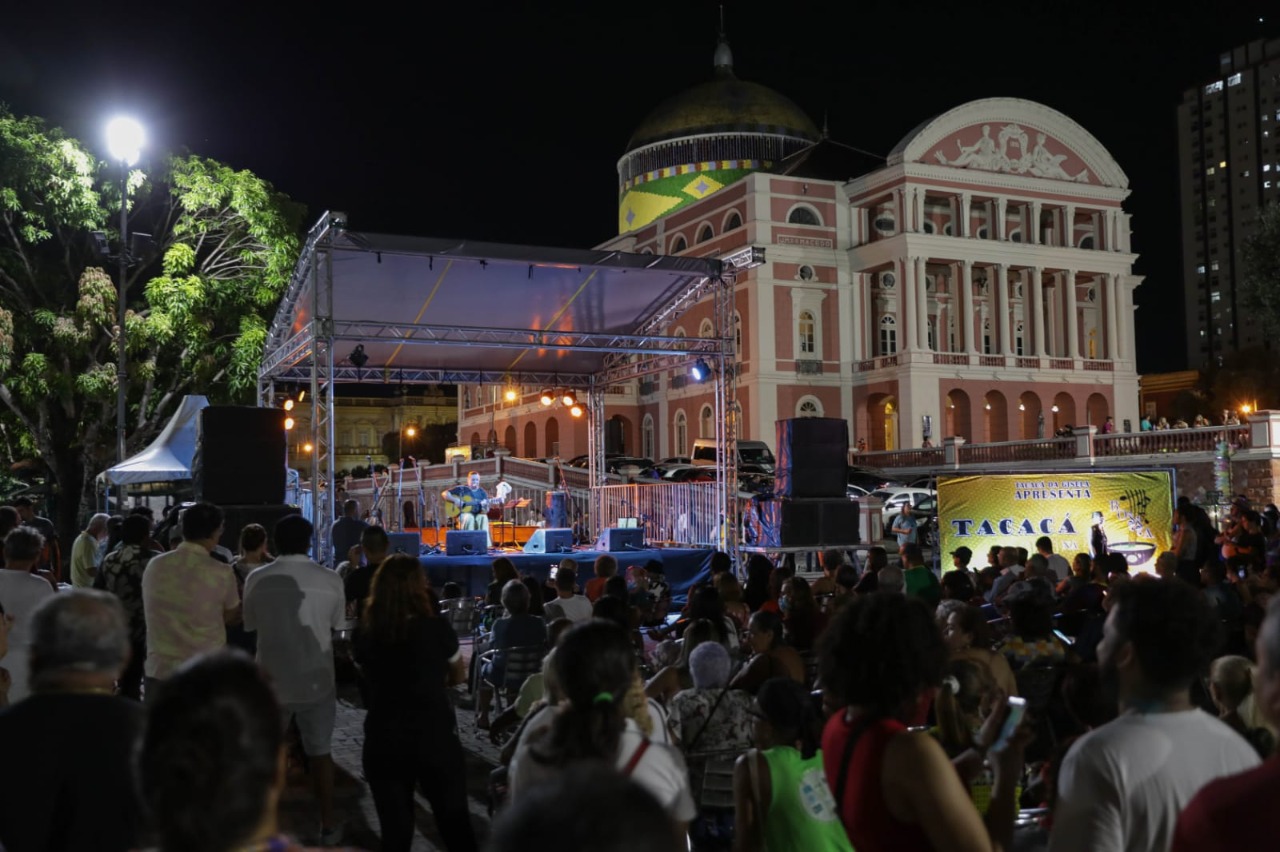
890, 579
84, 552
73, 737
20, 593
516, 629
710, 717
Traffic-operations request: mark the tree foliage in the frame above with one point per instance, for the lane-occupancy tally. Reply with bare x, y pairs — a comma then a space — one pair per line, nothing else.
1259, 286
225, 243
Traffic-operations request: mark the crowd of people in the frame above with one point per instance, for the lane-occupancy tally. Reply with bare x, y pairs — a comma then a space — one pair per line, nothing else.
876, 706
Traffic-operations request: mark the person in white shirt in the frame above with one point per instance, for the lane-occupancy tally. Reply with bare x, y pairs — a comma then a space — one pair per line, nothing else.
1123, 785
84, 551
569, 604
1058, 564
20, 593
294, 605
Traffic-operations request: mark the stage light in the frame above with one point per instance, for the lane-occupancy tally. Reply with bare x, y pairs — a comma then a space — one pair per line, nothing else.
288, 404
306, 448
569, 399
548, 397
510, 395
288, 423
699, 370
302, 396
357, 356
575, 410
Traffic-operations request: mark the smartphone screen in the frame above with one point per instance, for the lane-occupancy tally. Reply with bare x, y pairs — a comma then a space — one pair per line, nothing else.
1063, 638
554, 569
1017, 711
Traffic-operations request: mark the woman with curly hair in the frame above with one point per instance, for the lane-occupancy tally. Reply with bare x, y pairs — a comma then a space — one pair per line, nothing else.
409, 656
880, 660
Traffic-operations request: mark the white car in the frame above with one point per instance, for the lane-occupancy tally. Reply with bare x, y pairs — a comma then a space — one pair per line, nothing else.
895, 498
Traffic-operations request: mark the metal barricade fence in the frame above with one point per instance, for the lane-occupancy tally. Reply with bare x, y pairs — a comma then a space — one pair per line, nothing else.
680, 513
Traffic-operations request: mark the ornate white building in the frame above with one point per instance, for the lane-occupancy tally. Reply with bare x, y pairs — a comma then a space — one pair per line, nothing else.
976, 282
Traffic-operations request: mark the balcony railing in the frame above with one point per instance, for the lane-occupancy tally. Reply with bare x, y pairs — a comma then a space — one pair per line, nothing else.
951, 359
926, 457
1203, 440
808, 367
1014, 451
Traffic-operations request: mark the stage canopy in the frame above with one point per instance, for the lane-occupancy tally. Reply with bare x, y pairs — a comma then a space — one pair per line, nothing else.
436, 310
169, 456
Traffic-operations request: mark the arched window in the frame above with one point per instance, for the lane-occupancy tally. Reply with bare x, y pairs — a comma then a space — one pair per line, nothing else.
705, 330
803, 216
706, 423
705, 233
646, 437
734, 221
805, 331
888, 335
1086, 242
809, 406
681, 436
678, 245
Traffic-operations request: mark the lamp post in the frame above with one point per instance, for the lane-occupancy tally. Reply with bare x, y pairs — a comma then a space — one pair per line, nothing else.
124, 141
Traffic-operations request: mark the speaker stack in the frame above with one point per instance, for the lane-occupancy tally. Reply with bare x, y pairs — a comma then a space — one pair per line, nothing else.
239, 465
809, 506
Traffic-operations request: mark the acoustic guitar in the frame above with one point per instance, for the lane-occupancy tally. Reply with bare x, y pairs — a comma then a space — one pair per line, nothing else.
469, 506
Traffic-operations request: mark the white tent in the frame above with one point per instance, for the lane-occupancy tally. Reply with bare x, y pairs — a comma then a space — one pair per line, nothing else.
169, 456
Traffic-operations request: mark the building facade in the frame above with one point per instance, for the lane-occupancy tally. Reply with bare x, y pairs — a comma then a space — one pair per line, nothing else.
1229, 169
976, 284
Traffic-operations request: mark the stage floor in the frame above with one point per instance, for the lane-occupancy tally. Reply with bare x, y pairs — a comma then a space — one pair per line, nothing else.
682, 567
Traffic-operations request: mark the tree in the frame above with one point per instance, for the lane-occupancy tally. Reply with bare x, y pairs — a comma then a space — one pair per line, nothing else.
1260, 267
225, 244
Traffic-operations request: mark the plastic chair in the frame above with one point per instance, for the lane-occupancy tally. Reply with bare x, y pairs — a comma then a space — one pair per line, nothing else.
711, 775
462, 614
1038, 684
517, 664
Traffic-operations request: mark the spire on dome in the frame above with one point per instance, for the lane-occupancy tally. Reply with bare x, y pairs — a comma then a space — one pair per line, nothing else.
723, 60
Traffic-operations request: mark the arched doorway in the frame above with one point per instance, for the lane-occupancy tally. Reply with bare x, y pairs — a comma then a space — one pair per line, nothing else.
509, 439
959, 416
882, 417
1031, 423
475, 439
617, 436
997, 417
530, 440
1064, 411
551, 440
1097, 409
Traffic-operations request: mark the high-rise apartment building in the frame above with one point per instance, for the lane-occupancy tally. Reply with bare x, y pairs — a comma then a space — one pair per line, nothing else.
1229, 169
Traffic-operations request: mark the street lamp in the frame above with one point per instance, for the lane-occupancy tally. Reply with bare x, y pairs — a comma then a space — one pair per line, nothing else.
124, 141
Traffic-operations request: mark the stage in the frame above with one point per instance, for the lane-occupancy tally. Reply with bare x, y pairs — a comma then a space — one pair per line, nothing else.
682, 567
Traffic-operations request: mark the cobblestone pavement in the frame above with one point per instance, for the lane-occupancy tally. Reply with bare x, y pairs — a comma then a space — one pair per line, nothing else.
353, 804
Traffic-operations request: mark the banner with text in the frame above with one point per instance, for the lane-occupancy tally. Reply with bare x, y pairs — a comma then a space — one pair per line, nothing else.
1134, 509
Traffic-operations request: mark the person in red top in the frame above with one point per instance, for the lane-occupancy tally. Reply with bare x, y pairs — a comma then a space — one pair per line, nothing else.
606, 566
1237, 812
879, 660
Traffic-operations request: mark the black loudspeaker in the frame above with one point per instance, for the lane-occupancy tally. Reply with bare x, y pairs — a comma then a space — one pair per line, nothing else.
550, 541
620, 538
240, 456
466, 542
236, 518
813, 457
411, 543
827, 522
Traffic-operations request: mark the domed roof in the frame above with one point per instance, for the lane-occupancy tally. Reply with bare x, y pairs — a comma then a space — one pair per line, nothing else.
724, 105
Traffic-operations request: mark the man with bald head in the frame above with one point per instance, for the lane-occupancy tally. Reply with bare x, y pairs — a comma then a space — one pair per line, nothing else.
1010, 573
84, 551
69, 744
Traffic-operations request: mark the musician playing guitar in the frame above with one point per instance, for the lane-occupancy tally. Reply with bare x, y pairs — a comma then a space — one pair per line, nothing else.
472, 502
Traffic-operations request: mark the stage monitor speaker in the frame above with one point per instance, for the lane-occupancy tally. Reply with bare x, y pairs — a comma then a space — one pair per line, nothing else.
550, 541
466, 542
813, 457
236, 518
411, 543
620, 538
240, 456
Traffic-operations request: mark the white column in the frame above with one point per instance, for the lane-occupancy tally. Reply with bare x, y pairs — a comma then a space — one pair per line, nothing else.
917, 208
962, 227
998, 206
1037, 312
1001, 283
904, 215
1112, 307
922, 305
1071, 314
907, 304
966, 308
851, 326
1034, 213
1069, 226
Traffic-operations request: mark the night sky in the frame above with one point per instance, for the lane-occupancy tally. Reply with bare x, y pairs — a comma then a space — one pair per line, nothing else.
475, 120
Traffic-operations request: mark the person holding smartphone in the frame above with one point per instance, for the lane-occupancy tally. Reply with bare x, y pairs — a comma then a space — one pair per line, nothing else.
881, 660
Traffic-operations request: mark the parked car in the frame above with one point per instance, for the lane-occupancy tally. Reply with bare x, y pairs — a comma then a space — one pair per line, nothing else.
854, 492
870, 479
926, 512
688, 473
895, 498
